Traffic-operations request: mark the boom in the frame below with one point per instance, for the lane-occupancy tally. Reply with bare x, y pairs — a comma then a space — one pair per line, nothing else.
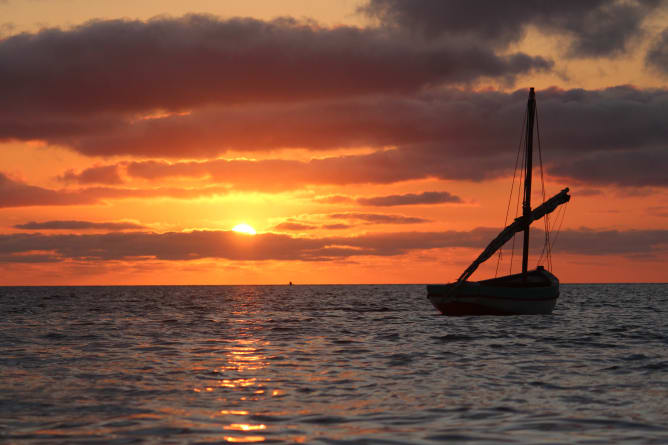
517, 226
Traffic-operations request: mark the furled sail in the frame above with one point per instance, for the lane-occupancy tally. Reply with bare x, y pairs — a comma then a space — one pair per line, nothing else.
517, 226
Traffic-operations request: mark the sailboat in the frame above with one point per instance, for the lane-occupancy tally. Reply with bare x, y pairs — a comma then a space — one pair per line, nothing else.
529, 292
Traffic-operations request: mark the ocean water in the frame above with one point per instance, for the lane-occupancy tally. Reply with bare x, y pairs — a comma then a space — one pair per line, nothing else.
328, 364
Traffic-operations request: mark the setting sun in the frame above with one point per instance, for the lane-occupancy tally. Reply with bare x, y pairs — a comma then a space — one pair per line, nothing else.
244, 228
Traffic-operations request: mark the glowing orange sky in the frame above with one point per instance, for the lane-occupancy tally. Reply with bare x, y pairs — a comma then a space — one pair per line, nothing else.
338, 142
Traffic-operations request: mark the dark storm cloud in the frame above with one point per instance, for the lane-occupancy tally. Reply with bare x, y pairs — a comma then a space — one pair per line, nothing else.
270, 246
78, 225
129, 66
595, 27
657, 56
410, 199
19, 194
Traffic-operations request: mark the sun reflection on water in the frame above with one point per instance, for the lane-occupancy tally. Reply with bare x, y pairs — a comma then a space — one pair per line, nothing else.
246, 439
244, 427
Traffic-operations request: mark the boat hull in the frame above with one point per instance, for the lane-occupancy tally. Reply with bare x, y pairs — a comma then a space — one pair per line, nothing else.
533, 293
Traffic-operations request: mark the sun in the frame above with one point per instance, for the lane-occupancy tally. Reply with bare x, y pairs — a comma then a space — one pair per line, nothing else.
244, 228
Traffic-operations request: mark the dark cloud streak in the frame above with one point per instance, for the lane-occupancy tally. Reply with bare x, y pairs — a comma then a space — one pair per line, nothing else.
595, 27
410, 199
379, 218
18, 194
105, 174
78, 225
229, 245
450, 135
131, 66
657, 56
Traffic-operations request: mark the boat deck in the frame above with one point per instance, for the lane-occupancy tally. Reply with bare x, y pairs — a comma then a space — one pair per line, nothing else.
534, 278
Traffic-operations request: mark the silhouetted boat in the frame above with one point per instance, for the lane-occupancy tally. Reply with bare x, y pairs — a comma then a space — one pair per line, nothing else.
529, 292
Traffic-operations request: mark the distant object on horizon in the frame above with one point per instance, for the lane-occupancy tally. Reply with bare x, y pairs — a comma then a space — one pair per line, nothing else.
290, 283
529, 292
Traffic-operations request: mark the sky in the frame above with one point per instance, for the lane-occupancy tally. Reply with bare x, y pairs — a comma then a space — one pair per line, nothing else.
365, 141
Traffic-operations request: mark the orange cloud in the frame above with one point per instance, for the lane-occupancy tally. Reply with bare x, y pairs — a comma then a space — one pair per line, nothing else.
101, 174
178, 246
450, 135
19, 194
78, 225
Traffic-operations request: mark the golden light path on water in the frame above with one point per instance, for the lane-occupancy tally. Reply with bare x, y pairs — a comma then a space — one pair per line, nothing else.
246, 358
259, 379
242, 356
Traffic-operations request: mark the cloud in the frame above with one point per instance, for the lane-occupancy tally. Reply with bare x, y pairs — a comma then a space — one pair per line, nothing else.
393, 200
624, 168
336, 226
657, 55
176, 64
588, 192
448, 134
104, 174
334, 199
660, 211
314, 221
595, 28
379, 218
612, 242
18, 194
78, 225
179, 246
294, 226
410, 199
30, 258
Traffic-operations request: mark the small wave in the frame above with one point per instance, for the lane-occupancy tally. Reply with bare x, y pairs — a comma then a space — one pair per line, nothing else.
453, 337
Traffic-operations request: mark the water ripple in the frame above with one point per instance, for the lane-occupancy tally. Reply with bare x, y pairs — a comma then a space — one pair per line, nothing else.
328, 364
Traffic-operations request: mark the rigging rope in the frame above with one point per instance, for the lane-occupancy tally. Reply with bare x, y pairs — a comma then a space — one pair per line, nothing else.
520, 186
547, 250
512, 187
563, 217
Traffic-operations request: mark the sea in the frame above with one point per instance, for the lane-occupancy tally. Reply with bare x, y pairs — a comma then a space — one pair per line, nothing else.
367, 364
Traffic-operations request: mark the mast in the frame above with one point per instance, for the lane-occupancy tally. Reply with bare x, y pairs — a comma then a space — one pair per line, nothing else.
526, 204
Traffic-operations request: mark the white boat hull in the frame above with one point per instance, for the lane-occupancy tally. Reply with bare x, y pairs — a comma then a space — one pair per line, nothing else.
531, 294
